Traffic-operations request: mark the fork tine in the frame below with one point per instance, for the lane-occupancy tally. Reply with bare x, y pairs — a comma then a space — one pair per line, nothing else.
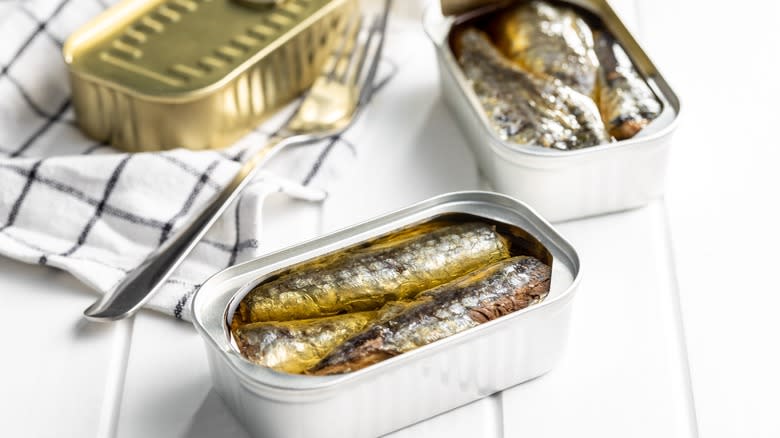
342, 53
331, 105
358, 58
365, 81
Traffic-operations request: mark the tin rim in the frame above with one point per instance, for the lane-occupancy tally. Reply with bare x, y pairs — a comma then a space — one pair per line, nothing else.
437, 28
212, 323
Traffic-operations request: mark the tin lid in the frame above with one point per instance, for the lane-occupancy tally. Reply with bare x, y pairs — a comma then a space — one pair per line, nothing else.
457, 7
179, 47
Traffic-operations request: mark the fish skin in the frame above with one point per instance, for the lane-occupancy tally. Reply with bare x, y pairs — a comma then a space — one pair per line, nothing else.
366, 279
295, 346
481, 296
524, 108
549, 40
626, 102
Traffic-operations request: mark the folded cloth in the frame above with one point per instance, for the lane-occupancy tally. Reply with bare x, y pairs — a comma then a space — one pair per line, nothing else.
71, 203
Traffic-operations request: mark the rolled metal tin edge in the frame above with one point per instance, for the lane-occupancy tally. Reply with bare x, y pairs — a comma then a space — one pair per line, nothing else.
456, 7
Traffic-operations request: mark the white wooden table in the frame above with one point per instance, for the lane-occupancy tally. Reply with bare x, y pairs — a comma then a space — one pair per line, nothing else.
701, 259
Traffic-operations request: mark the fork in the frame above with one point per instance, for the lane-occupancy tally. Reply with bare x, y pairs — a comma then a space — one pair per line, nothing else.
329, 108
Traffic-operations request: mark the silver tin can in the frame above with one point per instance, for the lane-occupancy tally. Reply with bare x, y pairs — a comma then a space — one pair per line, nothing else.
407, 388
564, 185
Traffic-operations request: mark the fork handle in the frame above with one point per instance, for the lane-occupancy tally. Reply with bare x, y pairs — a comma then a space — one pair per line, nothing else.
142, 282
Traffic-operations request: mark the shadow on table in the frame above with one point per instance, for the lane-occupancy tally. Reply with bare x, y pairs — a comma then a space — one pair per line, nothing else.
213, 419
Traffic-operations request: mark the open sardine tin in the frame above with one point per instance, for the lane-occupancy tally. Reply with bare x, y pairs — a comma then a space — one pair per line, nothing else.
568, 184
409, 387
161, 74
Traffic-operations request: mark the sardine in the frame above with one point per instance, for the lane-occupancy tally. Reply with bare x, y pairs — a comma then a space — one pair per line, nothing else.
625, 100
365, 279
525, 108
549, 40
295, 346
481, 296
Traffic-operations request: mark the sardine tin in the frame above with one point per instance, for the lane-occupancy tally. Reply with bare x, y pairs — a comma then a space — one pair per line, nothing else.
161, 74
407, 388
563, 185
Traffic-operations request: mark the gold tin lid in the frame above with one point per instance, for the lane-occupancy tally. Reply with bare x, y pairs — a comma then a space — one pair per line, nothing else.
174, 48
160, 74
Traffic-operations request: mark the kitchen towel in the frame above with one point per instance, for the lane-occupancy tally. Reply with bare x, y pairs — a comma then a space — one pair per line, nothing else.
74, 204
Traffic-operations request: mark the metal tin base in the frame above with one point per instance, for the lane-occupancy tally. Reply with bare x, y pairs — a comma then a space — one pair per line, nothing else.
407, 388
564, 185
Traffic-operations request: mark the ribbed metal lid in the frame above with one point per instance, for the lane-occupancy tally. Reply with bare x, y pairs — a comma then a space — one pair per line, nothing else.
178, 46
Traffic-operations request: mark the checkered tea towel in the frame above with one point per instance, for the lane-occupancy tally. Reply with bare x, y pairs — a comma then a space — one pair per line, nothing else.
82, 206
